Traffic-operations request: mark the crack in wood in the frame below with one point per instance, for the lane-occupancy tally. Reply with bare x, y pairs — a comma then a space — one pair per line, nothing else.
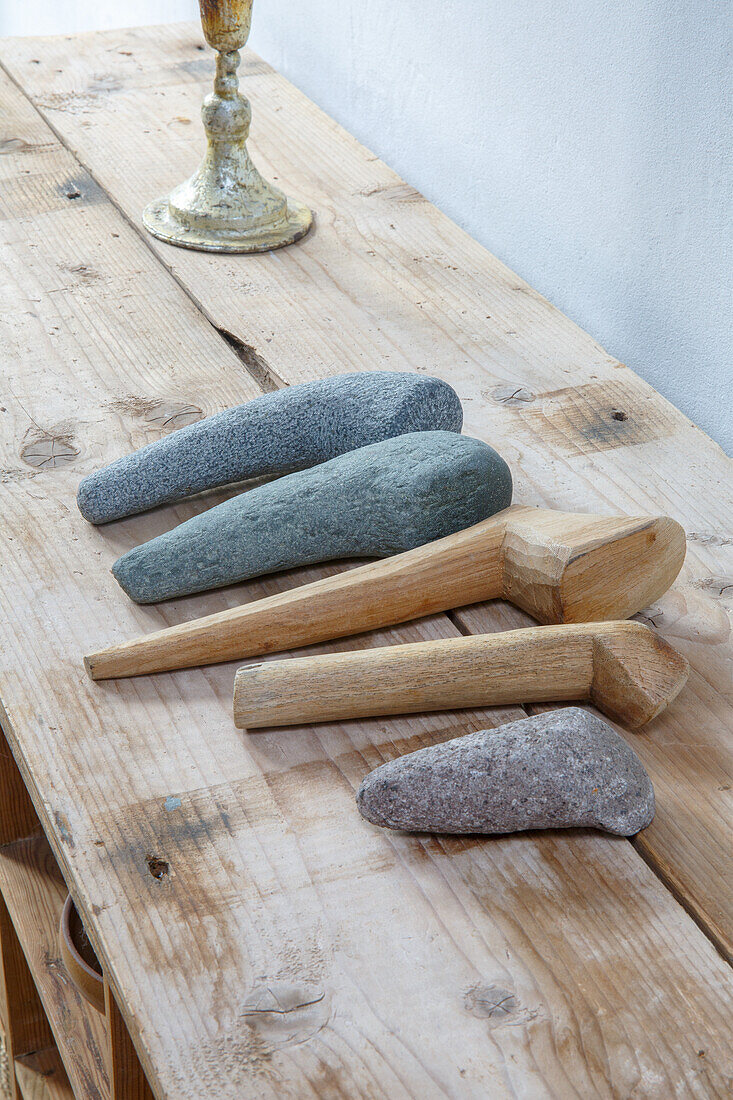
257, 366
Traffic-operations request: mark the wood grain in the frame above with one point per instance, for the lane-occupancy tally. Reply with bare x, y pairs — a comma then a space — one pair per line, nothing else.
41, 1076
386, 280
264, 940
677, 839
562, 568
17, 815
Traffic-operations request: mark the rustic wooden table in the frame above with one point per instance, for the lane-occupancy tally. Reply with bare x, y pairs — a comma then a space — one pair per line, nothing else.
284, 947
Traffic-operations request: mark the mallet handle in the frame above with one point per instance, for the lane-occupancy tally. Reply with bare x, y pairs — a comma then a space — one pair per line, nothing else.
519, 666
460, 569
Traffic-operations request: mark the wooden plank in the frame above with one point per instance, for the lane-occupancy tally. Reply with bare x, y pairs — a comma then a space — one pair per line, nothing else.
5, 1086
23, 1023
42, 1076
17, 815
387, 281
127, 1079
34, 891
265, 940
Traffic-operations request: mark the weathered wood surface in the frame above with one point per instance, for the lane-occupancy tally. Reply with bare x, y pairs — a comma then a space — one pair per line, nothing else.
261, 938
385, 280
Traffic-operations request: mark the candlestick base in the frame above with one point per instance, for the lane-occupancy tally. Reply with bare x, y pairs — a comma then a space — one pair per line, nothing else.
227, 206
161, 221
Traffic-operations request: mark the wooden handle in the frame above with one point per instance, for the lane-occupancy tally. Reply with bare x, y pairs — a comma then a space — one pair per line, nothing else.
459, 569
627, 671
559, 567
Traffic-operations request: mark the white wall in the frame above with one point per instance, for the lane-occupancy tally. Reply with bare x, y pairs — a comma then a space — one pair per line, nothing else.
583, 142
71, 16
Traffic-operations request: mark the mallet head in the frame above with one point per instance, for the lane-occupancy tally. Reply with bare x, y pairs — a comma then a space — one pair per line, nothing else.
568, 568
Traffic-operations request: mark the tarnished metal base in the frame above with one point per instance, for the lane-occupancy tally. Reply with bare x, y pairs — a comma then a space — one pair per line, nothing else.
226, 205
161, 222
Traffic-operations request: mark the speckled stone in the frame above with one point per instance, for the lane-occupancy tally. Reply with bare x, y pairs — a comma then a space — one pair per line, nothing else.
289, 430
552, 771
376, 501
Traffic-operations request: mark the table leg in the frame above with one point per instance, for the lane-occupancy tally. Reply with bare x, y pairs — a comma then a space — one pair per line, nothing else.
21, 1012
127, 1077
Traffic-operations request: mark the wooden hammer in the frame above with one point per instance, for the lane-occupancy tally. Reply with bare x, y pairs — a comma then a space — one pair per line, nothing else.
558, 566
628, 671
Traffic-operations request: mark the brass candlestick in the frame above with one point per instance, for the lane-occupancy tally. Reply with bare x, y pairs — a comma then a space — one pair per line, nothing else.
226, 206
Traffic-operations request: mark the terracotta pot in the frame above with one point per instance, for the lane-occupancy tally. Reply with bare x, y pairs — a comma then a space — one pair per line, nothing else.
79, 958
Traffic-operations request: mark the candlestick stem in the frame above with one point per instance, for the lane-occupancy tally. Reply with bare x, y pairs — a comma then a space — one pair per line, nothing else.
227, 206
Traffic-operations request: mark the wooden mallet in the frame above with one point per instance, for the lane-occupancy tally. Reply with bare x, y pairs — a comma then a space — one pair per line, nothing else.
560, 567
623, 667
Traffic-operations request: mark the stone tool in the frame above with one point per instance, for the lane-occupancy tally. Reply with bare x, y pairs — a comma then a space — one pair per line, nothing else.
625, 669
377, 501
557, 566
556, 770
278, 432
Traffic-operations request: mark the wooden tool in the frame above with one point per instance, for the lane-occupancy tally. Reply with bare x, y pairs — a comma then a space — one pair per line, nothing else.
558, 566
628, 671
